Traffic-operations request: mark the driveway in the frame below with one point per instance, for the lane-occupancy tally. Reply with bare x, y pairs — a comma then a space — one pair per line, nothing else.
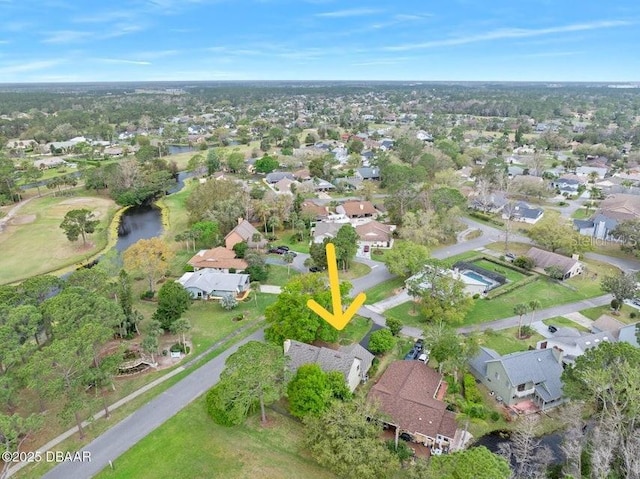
121, 437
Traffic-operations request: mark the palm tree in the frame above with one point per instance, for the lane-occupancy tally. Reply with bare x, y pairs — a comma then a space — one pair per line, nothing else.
520, 309
533, 305
255, 287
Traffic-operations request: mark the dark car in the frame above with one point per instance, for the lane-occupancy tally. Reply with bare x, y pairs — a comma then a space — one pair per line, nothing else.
419, 346
510, 256
411, 354
278, 250
293, 254
406, 437
552, 328
314, 269
282, 247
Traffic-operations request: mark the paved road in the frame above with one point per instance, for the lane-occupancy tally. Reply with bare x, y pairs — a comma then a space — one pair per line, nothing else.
128, 432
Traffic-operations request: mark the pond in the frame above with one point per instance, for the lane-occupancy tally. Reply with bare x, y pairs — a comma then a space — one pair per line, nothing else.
139, 222
493, 440
175, 149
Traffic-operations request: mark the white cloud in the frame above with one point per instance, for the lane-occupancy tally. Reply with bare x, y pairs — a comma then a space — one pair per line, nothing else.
122, 29
351, 12
124, 61
66, 36
8, 69
506, 33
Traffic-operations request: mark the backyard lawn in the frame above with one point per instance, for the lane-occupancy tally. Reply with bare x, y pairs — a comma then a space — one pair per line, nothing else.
506, 341
286, 238
192, 445
355, 330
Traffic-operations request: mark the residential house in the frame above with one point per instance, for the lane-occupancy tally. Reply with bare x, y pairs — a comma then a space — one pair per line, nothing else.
567, 184
314, 210
572, 343
513, 171
489, 203
245, 231
352, 361
612, 211
220, 259
375, 234
424, 136
302, 174
630, 334
318, 184
211, 284
284, 185
276, 176
545, 259
46, 163
358, 210
587, 170
386, 144
325, 229
523, 376
607, 323
368, 173
409, 394
521, 211
18, 144
473, 283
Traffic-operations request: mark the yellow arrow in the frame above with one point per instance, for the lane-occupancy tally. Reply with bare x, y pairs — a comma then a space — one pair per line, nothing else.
338, 319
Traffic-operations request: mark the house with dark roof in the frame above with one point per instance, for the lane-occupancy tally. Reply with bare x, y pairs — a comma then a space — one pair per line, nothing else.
219, 258
490, 203
409, 394
567, 184
521, 211
630, 334
523, 376
276, 176
211, 284
612, 211
245, 231
352, 361
544, 259
368, 173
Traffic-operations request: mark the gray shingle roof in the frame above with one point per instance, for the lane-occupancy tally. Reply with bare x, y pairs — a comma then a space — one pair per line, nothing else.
209, 280
544, 259
479, 362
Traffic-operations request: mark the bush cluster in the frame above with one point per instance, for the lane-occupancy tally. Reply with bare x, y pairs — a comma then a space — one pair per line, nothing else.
471, 391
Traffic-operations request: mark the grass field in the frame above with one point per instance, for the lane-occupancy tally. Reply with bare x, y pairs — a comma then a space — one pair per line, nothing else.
506, 341
623, 317
383, 290
286, 238
511, 274
192, 445
33, 242
278, 275
355, 330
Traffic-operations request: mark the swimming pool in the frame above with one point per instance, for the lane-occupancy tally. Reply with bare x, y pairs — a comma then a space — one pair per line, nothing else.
478, 277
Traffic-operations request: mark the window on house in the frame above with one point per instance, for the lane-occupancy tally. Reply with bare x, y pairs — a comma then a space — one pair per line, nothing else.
521, 387
497, 375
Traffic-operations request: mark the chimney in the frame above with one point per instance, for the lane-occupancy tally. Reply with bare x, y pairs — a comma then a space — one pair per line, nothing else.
361, 206
240, 220
575, 256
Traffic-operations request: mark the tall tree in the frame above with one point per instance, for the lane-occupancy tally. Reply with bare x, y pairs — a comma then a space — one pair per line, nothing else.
149, 256
346, 243
213, 161
346, 440
181, 326
79, 223
173, 300
406, 258
14, 431
553, 234
622, 286
309, 391
472, 463
254, 374
520, 310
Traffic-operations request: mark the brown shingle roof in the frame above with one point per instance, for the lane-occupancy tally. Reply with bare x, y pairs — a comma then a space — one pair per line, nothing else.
406, 392
621, 207
374, 231
219, 258
358, 208
313, 209
246, 231
543, 259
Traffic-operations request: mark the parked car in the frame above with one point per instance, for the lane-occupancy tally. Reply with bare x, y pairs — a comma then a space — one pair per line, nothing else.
314, 269
366, 248
552, 328
419, 345
282, 247
405, 436
510, 256
278, 250
424, 357
293, 254
411, 354
635, 301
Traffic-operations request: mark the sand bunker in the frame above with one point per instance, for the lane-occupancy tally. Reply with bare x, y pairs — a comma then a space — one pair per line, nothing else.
83, 200
23, 219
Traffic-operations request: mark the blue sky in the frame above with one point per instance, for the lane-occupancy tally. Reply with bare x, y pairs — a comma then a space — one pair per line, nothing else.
514, 40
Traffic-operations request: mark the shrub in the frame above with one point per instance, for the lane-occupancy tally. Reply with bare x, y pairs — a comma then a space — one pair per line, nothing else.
471, 391
494, 416
527, 331
476, 296
633, 314
147, 295
524, 262
377, 252
215, 408
403, 451
394, 325
615, 304
375, 364
188, 268
228, 302
510, 287
180, 347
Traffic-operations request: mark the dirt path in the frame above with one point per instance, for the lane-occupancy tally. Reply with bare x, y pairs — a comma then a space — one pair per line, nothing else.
13, 211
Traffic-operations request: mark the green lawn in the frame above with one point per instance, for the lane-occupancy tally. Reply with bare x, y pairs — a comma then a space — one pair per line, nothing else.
355, 271
384, 290
355, 330
562, 322
404, 312
286, 238
506, 341
624, 316
278, 275
34, 244
511, 274
191, 445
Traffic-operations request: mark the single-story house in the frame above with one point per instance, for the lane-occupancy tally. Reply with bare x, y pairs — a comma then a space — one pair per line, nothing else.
375, 234
630, 334
424, 136
325, 229
357, 209
18, 144
529, 375
567, 185
544, 259
386, 144
571, 343
318, 184
490, 203
314, 210
211, 284
352, 361
410, 394
284, 185
607, 323
276, 176
472, 285
587, 170
302, 174
53, 162
521, 211
220, 259
245, 231
368, 173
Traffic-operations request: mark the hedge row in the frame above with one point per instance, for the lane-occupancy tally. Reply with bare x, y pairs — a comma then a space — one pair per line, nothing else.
512, 266
471, 391
510, 287
487, 218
